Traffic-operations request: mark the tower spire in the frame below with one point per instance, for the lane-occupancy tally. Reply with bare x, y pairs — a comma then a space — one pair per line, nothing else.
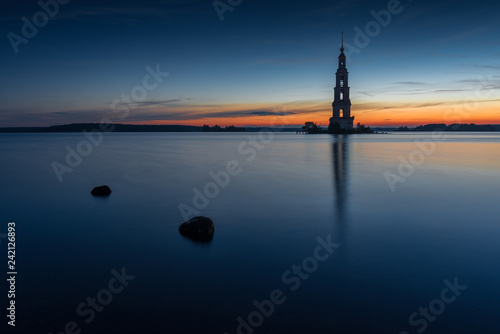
342, 48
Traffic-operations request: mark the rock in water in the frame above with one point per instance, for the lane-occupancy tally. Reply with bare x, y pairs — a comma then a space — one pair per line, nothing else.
101, 191
198, 228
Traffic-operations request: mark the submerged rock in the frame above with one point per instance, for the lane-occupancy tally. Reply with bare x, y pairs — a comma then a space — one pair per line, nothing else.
198, 228
101, 191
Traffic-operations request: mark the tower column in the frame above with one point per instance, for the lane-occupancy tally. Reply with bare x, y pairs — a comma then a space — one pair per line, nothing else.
341, 106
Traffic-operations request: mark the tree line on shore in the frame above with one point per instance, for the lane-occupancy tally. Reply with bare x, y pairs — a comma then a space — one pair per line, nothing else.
452, 127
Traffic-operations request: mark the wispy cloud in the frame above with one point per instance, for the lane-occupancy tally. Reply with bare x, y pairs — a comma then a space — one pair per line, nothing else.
409, 88
153, 111
410, 83
469, 33
155, 103
378, 106
483, 66
287, 61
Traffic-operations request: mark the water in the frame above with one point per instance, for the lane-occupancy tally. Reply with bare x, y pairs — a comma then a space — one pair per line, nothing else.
396, 247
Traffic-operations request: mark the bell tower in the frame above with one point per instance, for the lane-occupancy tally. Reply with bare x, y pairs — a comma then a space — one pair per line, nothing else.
342, 103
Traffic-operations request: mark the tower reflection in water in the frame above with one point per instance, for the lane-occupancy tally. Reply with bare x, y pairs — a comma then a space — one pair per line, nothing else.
340, 163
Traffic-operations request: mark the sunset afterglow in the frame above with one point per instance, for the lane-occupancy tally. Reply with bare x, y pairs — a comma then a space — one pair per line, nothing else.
412, 70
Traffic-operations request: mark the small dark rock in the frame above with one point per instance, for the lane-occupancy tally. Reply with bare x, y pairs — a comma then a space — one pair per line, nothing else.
198, 228
101, 191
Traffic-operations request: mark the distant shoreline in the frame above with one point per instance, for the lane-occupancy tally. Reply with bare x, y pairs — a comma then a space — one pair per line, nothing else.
79, 127
131, 128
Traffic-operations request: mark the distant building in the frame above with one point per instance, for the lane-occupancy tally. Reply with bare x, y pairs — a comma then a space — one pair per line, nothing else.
342, 103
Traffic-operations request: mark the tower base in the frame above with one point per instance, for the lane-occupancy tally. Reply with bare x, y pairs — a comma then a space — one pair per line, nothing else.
341, 124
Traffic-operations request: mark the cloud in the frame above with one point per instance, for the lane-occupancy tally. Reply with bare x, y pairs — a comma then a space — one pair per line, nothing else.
154, 103
29, 117
448, 55
410, 83
377, 106
424, 88
466, 34
393, 90
430, 104
400, 88
487, 66
277, 42
287, 61
226, 114
271, 113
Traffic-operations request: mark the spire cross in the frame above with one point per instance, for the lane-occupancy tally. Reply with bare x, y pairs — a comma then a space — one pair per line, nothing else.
342, 48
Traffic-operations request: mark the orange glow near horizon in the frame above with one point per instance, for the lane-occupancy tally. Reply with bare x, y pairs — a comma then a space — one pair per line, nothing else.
371, 114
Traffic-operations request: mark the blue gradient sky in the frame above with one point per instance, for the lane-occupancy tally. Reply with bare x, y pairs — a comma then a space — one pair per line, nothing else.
265, 57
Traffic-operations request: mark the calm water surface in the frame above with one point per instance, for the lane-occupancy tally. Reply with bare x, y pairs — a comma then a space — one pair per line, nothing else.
396, 247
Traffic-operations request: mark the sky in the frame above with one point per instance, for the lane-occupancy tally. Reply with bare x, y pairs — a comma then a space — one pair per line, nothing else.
247, 62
